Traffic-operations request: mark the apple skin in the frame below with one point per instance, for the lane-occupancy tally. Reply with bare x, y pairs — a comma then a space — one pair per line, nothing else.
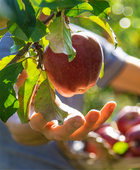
128, 117
111, 135
133, 139
77, 76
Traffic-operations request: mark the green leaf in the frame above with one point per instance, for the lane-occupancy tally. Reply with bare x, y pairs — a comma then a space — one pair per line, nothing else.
31, 67
60, 38
5, 60
17, 45
8, 101
3, 31
102, 71
120, 147
39, 32
100, 8
16, 31
25, 98
22, 17
104, 24
54, 4
78, 9
44, 104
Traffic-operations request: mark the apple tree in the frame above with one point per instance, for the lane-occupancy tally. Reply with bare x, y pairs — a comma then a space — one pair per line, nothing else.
31, 34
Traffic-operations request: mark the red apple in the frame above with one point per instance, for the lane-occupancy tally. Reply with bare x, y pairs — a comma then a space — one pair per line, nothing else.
111, 135
91, 146
101, 128
133, 139
128, 117
77, 76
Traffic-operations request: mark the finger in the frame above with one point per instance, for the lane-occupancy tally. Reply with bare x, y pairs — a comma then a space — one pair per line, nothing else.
82, 132
106, 112
62, 132
37, 122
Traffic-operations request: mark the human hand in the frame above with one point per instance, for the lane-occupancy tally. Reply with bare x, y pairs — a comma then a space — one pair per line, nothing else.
76, 126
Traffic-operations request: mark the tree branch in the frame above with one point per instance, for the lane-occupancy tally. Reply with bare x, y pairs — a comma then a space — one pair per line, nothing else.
48, 18
20, 54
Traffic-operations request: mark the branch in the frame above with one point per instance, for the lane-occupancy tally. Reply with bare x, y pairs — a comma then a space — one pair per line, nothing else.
20, 54
48, 18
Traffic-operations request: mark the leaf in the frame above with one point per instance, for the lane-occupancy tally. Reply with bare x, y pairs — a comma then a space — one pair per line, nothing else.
100, 8
44, 104
104, 24
39, 32
102, 71
78, 9
3, 31
16, 31
54, 4
120, 147
22, 17
9, 103
31, 67
17, 45
25, 98
60, 38
5, 60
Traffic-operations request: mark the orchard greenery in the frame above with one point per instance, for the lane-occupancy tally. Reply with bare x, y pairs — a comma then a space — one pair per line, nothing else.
31, 36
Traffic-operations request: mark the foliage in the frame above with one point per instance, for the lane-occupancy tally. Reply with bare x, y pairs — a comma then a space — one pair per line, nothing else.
22, 19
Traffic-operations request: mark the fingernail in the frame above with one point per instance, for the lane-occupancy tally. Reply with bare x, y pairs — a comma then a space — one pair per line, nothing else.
94, 117
112, 108
77, 124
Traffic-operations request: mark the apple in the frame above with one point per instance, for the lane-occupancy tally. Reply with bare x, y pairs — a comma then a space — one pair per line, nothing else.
77, 76
133, 139
111, 135
91, 146
100, 129
128, 117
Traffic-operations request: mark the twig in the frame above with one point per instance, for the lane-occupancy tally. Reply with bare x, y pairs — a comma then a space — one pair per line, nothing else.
48, 18
20, 54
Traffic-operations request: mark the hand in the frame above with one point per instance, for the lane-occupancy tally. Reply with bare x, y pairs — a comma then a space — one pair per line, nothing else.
76, 126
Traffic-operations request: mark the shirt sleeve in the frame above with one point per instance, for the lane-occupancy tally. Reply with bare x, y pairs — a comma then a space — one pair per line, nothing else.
114, 59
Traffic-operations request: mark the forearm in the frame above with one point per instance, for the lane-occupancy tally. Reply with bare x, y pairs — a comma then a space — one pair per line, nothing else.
128, 79
23, 133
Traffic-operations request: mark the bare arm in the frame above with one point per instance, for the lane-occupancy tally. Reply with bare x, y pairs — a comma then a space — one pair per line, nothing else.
128, 80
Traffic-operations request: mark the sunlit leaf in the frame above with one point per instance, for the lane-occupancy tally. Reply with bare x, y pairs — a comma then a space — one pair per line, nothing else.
31, 67
102, 71
97, 8
46, 11
78, 9
54, 4
104, 24
9, 103
25, 98
5, 60
16, 31
100, 8
44, 104
60, 38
